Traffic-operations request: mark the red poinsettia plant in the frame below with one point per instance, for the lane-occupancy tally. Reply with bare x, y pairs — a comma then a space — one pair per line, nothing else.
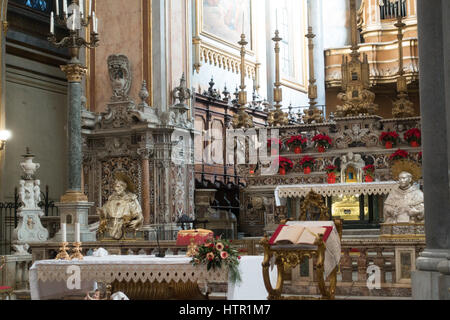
413, 134
216, 253
369, 170
322, 140
285, 163
274, 141
307, 161
297, 141
399, 154
331, 169
390, 136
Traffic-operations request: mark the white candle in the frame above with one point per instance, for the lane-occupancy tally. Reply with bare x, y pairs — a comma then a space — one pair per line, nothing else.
77, 232
276, 19
52, 24
63, 232
243, 32
90, 8
73, 19
309, 16
65, 7
94, 22
82, 8
57, 8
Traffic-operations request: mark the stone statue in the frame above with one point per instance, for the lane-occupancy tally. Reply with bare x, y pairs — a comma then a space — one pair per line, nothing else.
37, 193
405, 202
122, 212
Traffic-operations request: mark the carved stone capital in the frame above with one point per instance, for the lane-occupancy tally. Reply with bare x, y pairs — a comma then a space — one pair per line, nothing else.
74, 72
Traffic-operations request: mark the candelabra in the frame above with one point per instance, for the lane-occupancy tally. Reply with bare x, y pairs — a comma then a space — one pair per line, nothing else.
277, 117
403, 107
74, 17
242, 118
312, 114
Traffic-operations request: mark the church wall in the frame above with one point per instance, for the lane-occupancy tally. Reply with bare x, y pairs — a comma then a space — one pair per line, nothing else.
121, 32
35, 91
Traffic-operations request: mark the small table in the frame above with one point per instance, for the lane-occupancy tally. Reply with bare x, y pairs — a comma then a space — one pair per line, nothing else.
140, 277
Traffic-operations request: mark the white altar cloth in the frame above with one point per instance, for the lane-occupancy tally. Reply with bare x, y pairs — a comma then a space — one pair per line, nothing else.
252, 285
48, 278
333, 189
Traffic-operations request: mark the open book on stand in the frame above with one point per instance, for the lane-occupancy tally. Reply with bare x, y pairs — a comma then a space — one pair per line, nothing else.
298, 234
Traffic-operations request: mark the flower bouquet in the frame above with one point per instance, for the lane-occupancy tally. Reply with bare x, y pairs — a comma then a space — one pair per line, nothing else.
369, 171
307, 163
274, 141
216, 253
322, 142
413, 136
284, 163
297, 143
331, 172
398, 155
389, 139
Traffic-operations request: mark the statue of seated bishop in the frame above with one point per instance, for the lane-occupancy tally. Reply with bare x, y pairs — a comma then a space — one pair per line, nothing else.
122, 213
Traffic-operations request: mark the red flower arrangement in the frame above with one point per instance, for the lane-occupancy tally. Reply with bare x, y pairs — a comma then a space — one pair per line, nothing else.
307, 161
331, 169
284, 164
368, 172
322, 140
413, 136
274, 140
216, 253
389, 138
274, 151
399, 154
331, 172
297, 141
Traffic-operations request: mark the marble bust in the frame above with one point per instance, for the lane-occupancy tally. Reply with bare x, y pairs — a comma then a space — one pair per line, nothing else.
405, 202
122, 212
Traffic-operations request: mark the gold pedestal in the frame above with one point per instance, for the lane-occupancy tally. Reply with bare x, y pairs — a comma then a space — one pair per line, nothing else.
73, 196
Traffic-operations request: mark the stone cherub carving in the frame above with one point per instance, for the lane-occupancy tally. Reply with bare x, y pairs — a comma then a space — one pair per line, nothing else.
122, 212
405, 202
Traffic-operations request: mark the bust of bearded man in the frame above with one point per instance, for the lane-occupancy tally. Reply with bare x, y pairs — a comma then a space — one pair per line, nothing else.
405, 202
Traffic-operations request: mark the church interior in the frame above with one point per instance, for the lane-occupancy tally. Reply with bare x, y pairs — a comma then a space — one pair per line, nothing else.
224, 150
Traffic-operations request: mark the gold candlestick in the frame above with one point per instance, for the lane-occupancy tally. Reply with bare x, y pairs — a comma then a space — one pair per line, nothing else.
277, 117
63, 255
242, 119
76, 251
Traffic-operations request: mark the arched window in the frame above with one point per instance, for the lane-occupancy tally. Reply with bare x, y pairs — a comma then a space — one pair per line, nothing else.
44, 6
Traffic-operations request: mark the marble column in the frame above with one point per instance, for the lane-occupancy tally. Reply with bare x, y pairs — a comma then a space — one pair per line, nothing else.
145, 189
159, 41
74, 206
3, 30
429, 281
